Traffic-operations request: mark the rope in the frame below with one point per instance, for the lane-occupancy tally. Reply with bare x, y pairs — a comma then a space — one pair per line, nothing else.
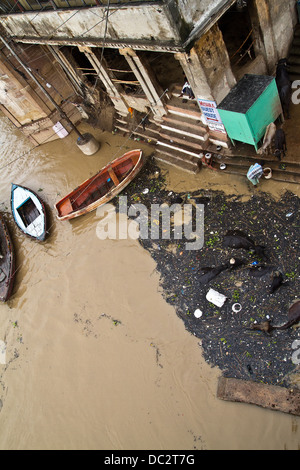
242, 44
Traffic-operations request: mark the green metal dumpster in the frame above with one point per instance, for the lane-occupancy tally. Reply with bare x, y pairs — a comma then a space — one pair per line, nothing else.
249, 108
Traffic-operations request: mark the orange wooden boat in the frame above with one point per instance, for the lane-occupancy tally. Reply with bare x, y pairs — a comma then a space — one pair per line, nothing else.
102, 187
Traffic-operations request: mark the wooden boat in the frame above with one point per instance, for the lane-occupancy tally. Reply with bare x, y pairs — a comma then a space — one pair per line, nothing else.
29, 212
102, 187
7, 262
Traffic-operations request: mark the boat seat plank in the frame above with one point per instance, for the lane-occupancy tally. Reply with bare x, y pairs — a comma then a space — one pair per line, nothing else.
113, 176
66, 207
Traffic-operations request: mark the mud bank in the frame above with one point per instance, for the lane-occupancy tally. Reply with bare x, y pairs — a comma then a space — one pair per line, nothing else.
226, 336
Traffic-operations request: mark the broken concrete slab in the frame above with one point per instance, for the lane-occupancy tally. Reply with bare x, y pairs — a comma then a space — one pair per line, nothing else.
267, 396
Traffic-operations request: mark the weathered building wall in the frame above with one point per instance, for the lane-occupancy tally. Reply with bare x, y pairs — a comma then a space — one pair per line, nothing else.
200, 15
143, 23
194, 11
283, 16
188, 28
275, 23
158, 24
22, 100
15, 99
214, 59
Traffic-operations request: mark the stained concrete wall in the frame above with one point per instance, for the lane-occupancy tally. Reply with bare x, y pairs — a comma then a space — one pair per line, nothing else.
283, 16
200, 15
274, 23
146, 22
16, 99
215, 63
158, 24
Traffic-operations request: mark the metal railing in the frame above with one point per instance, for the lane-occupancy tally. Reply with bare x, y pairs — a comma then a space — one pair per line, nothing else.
17, 6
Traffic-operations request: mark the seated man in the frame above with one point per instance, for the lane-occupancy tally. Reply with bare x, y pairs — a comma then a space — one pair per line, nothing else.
255, 172
187, 90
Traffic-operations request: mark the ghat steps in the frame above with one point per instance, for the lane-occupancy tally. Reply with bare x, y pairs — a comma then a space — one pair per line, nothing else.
180, 139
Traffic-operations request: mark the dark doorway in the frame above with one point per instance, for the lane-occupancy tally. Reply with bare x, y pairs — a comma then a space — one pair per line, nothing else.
82, 64
237, 31
166, 69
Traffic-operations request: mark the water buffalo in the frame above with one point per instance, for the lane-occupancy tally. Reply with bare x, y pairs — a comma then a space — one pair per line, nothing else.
238, 239
260, 271
293, 318
283, 83
208, 273
280, 143
277, 281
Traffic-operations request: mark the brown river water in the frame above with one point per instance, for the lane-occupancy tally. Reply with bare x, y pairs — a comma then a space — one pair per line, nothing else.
96, 359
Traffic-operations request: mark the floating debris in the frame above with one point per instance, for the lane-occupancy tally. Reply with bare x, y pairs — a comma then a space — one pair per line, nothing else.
227, 339
198, 313
236, 308
216, 298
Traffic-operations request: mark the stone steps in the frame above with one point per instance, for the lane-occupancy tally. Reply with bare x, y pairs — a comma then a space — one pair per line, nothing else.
179, 160
182, 131
193, 127
245, 162
240, 166
178, 147
185, 112
150, 134
180, 139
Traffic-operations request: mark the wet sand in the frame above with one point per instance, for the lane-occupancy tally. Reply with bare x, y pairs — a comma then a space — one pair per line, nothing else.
96, 359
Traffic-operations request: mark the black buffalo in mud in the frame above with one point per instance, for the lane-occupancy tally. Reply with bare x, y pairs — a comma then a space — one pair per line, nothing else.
237, 239
276, 276
293, 319
283, 83
280, 144
209, 273
260, 271
277, 281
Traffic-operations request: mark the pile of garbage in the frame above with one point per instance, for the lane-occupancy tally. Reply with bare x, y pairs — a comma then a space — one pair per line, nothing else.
224, 290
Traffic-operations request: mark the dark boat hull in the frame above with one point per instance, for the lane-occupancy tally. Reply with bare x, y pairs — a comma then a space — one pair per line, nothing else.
7, 262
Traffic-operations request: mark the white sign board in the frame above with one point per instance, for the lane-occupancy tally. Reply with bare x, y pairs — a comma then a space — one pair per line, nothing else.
211, 115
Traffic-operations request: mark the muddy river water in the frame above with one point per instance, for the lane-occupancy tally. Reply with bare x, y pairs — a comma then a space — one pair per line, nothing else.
96, 359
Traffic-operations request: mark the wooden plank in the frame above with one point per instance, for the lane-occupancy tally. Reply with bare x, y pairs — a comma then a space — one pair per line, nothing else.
267, 396
113, 176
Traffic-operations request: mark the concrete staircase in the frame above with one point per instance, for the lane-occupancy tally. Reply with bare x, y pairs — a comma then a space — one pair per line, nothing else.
181, 139
294, 56
182, 135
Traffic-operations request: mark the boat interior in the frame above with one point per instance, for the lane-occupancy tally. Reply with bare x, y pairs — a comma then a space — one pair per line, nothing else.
97, 187
28, 212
